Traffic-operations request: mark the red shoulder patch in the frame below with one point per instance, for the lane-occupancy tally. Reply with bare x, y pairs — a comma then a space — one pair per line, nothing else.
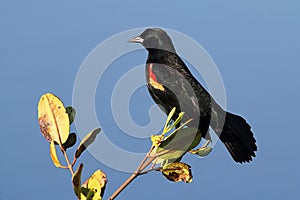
152, 79
151, 73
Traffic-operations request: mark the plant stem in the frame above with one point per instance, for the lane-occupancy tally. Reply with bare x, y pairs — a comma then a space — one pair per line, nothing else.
150, 170
145, 158
145, 162
74, 161
123, 186
63, 167
70, 166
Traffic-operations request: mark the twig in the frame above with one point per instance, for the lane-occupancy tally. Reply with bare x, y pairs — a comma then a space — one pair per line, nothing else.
145, 162
70, 166
150, 170
63, 167
74, 161
145, 158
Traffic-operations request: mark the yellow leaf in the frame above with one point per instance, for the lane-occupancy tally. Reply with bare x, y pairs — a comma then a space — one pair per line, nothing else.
178, 171
53, 119
95, 185
53, 155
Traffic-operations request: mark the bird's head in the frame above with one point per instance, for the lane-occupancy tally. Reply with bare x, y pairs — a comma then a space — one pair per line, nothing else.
155, 38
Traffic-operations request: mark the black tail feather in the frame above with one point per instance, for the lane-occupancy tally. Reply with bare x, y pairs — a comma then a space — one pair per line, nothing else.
238, 138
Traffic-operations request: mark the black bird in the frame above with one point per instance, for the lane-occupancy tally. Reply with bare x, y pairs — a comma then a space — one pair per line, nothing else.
171, 84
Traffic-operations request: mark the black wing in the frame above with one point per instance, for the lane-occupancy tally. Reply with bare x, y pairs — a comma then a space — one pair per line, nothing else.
182, 90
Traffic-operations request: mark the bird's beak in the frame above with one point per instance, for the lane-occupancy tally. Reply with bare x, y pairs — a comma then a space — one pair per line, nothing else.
137, 39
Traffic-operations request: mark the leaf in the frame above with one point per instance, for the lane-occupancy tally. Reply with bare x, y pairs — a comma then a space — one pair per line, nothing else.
168, 124
178, 171
54, 155
71, 113
86, 193
87, 140
178, 143
53, 119
71, 141
169, 118
203, 151
76, 180
93, 188
177, 121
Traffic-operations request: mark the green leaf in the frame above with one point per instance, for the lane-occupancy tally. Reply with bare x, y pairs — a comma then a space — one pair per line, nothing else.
169, 118
53, 155
71, 113
76, 180
169, 125
84, 193
204, 151
93, 188
87, 140
178, 143
177, 121
178, 171
71, 141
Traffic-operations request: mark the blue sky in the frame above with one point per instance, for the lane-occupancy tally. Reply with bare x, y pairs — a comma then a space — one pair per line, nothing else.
255, 45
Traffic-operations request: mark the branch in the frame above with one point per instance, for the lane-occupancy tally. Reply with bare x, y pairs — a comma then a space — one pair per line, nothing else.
139, 171
70, 166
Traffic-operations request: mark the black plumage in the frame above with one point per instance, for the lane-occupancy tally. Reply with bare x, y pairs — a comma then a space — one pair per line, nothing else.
171, 84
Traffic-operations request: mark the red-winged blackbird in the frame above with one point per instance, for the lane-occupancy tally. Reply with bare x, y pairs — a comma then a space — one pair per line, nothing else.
171, 84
